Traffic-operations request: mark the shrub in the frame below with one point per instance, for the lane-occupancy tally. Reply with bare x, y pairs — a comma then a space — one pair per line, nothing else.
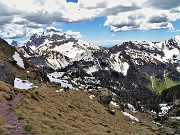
28, 128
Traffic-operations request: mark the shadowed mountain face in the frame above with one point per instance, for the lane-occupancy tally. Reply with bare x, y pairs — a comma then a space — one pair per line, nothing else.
13, 64
6, 75
131, 69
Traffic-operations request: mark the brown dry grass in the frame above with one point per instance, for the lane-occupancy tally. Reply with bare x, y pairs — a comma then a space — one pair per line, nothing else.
73, 113
6, 90
3, 131
1, 121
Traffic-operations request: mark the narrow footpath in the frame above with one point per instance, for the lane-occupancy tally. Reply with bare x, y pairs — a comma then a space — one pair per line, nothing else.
15, 126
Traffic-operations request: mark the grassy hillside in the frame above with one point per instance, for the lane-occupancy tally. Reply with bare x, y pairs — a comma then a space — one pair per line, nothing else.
6, 90
158, 85
71, 113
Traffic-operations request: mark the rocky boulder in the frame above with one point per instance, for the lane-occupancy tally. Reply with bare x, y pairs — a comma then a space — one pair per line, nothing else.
105, 96
7, 74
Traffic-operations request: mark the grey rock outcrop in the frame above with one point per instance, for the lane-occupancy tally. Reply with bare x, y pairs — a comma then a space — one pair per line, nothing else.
7, 74
105, 96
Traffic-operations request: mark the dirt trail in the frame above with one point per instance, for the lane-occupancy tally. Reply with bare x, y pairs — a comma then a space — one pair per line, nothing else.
14, 125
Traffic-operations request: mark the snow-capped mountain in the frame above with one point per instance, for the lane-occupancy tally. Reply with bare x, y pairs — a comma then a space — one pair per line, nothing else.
56, 47
133, 67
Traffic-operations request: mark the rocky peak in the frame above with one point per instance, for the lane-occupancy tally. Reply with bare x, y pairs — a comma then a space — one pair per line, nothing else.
53, 36
15, 43
56, 48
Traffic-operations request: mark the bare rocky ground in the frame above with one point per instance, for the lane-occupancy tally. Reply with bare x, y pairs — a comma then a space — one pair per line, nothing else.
12, 123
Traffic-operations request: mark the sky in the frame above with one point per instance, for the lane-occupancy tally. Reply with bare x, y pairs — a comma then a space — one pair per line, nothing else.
101, 22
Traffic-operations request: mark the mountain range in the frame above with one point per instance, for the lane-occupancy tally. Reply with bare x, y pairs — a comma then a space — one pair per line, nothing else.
136, 69
135, 82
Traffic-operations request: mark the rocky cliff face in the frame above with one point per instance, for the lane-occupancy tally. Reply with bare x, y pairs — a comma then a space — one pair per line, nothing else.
13, 64
7, 74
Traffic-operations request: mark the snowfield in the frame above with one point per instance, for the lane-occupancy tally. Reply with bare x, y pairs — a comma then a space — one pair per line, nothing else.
118, 65
68, 49
18, 59
56, 74
23, 84
56, 77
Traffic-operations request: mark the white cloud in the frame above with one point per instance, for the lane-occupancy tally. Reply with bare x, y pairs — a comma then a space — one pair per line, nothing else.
163, 4
92, 4
122, 15
142, 19
11, 31
74, 34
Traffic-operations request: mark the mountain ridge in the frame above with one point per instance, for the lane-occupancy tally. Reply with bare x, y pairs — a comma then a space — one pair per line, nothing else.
148, 65
89, 72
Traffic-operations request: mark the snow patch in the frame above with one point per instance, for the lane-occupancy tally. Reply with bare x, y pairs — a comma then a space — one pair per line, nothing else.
118, 65
153, 111
156, 123
130, 116
91, 96
56, 77
114, 103
18, 59
91, 69
164, 109
114, 94
131, 107
23, 84
61, 90
177, 118
56, 74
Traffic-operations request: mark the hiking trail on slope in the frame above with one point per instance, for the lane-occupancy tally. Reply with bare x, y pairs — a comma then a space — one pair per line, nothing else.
13, 124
